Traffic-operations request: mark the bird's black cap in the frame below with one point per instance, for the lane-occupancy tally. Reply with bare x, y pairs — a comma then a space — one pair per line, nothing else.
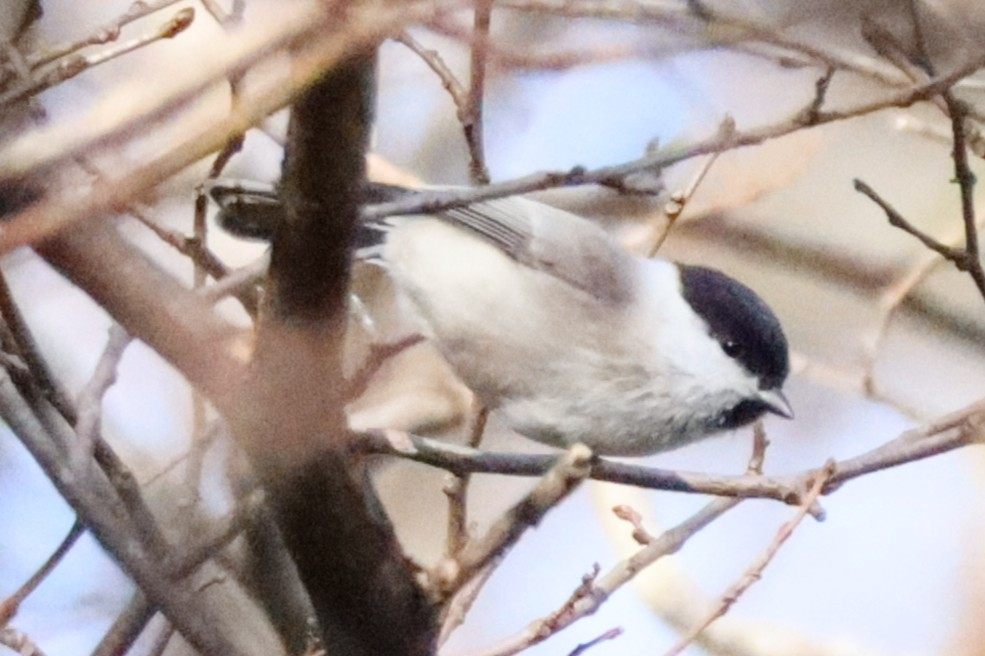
740, 321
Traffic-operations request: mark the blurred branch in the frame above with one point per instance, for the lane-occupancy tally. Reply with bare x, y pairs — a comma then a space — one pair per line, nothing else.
611, 634
561, 479
19, 642
290, 417
101, 35
9, 606
468, 105
151, 305
314, 43
18, 339
755, 571
595, 591
679, 199
76, 64
88, 424
127, 627
434, 201
379, 354
962, 428
714, 28
456, 489
437, 64
96, 502
472, 121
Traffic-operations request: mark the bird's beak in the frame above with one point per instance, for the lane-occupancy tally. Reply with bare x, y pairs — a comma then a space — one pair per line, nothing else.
776, 402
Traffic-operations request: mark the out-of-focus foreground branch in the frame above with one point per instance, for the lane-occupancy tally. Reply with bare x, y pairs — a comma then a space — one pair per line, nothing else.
291, 417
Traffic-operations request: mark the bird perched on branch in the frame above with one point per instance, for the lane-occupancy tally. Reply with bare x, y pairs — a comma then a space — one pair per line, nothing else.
565, 334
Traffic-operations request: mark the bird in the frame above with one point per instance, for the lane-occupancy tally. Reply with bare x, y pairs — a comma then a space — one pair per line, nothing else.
566, 335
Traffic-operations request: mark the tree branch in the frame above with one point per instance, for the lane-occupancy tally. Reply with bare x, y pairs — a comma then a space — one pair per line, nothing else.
434, 201
291, 420
961, 428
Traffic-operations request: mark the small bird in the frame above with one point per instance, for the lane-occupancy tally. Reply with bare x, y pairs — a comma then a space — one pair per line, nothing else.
568, 336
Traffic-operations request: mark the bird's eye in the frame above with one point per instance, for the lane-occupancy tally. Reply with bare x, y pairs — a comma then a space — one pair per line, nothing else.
732, 349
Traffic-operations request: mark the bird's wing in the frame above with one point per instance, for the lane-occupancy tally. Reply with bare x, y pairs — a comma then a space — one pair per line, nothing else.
548, 239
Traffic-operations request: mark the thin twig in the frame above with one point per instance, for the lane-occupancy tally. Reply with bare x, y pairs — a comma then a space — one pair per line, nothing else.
889, 303
89, 422
456, 490
76, 64
437, 64
19, 642
126, 628
9, 606
472, 125
468, 102
588, 598
897, 220
679, 200
27, 349
594, 590
611, 634
961, 428
90, 442
379, 354
810, 113
755, 571
563, 477
713, 28
434, 201
460, 459
457, 608
101, 35
200, 236
972, 262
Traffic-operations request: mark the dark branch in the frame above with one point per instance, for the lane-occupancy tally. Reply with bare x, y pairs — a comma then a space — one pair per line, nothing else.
291, 422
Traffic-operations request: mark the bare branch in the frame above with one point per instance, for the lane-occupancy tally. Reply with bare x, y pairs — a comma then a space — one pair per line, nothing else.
76, 64
972, 262
898, 221
180, 325
127, 627
611, 634
713, 28
959, 429
679, 199
472, 122
458, 607
434, 201
23, 344
755, 571
437, 64
95, 500
456, 489
88, 424
19, 642
593, 592
9, 606
563, 477
101, 35
315, 43
460, 459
